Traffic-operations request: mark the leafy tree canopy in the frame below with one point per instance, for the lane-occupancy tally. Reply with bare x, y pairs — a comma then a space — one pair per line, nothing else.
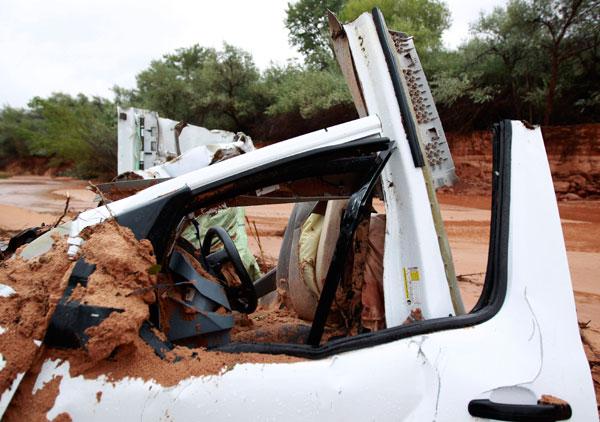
199, 85
425, 20
306, 91
522, 60
307, 22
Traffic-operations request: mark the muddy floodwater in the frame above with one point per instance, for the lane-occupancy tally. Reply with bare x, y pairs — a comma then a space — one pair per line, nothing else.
27, 201
43, 194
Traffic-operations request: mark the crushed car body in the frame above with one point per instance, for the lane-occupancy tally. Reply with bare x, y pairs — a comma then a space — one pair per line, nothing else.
313, 352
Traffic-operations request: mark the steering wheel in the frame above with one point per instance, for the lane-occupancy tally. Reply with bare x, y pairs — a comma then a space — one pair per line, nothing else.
242, 298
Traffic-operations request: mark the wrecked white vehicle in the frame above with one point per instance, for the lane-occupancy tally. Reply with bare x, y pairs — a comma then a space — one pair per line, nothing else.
516, 355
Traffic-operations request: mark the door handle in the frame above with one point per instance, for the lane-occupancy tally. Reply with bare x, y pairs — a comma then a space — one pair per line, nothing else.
485, 408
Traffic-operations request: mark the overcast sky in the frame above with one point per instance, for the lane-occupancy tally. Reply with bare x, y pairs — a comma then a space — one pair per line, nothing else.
88, 46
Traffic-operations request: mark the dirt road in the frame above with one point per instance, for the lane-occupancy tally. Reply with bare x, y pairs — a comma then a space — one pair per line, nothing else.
31, 200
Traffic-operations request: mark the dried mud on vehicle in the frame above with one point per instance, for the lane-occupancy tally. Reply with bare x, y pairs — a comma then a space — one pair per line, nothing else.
124, 279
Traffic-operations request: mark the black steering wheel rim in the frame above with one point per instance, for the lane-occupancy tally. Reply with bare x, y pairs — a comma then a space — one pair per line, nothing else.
242, 298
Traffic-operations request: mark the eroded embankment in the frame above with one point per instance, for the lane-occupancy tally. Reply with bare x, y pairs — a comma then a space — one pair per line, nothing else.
573, 152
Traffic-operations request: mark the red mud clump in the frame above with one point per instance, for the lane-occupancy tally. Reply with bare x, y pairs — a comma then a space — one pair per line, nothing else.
140, 361
121, 267
270, 326
24, 315
124, 267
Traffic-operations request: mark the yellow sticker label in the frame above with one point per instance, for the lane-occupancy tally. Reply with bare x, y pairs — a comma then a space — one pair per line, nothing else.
414, 274
412, 285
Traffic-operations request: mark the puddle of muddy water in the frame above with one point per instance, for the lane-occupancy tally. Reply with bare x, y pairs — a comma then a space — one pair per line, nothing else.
44, 195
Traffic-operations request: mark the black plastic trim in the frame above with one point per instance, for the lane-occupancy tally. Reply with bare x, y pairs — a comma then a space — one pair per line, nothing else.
405, 114
267, 283
368, 144
485, 408
71, 319
357, 209
160, 347
162, 227
501, 147
496, 277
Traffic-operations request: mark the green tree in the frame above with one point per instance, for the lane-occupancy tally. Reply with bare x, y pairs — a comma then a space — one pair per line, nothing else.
569, 26
16, 126
307, 22
508, 44
508, 68
425, 20
168, 85
309, 91
125, 97
228, 90
216, 89
467, 87
75, 130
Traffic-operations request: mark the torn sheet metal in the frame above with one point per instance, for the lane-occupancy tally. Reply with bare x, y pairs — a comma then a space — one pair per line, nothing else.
539, 276
351, 60
146, 140
435, 145
7, 395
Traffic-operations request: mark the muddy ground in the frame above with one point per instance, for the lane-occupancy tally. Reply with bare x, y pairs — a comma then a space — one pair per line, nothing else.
32, 200
27, 201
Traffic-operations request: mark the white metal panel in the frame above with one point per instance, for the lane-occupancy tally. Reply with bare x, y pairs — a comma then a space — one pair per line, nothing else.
128, 143
539, 272
411, 240
7, 395
190, 160
418, 379
167, 146
160, 144
148, 127
193, 136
